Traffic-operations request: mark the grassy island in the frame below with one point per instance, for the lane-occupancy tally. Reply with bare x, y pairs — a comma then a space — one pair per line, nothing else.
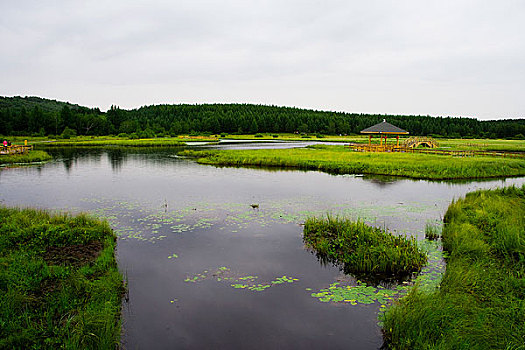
340, 160
30, 157
361, 248
481, 301
59, 282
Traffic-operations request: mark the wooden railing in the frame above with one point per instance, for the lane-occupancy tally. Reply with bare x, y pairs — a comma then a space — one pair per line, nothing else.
15, 149
457, 153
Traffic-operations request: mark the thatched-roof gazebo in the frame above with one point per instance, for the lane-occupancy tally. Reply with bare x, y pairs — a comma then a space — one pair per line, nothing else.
383, 129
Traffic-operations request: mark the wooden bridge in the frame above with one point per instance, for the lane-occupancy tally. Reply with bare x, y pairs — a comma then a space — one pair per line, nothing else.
15, 149
414, 142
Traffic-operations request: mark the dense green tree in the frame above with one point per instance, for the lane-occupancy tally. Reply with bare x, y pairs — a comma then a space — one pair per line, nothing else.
54, 116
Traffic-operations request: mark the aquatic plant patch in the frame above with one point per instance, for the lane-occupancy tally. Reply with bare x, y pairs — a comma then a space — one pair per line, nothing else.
432, 231
152, 222
358, 292
225, 274
361, 248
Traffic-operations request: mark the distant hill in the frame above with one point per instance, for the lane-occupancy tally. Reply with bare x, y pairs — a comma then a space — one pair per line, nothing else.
40, 116
30, 102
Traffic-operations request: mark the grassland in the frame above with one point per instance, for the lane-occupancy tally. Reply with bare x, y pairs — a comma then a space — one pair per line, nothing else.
30, 157
361, 248
481, 301
340, 160
482, 145
453, 144
59, 282
118, 142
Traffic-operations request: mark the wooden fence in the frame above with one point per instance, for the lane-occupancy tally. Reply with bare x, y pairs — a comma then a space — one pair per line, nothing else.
15, 149
457, 153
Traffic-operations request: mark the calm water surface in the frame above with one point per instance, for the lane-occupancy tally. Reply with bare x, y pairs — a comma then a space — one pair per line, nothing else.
188, 232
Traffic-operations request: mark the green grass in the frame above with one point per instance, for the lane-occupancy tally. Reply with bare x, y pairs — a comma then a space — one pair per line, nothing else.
30, 157
59, 282
482, 144
340, 160
101, 142
362, 249
481, 301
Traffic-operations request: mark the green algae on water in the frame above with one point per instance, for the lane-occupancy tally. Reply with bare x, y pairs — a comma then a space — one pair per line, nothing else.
249, 282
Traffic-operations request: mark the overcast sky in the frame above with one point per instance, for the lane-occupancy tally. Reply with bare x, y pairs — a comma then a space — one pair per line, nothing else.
446, 57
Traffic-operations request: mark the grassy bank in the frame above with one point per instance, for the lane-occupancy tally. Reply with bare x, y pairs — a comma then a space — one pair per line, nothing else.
481, 301
102, 142
340, 160
59, 282
362, 248
30, 157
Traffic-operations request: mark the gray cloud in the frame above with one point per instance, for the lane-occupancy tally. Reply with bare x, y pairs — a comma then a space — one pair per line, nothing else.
432, 57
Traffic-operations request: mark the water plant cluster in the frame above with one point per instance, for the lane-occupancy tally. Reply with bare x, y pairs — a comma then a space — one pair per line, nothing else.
355, 292
361, 248
150, 222
432, 231
340, 160
481, 300
359, 294
59, 282
236, 281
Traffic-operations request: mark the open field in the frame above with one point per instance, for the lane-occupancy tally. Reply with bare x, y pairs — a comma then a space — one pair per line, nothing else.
481, 301
59, 282
340, 160
483, 144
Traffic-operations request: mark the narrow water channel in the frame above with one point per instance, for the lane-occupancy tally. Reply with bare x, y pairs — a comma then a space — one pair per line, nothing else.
214, 256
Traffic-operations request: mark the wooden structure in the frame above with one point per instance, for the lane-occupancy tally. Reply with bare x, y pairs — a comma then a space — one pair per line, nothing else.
15, 149
383, 129
414, 142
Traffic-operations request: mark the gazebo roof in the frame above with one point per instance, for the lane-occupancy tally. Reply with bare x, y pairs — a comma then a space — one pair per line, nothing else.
384, 128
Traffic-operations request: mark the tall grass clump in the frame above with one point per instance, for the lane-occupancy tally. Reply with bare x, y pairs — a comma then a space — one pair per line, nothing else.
432, 232
481, 301
59, 282
361, 248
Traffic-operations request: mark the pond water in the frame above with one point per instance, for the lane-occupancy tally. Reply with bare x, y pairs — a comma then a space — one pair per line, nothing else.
214, 256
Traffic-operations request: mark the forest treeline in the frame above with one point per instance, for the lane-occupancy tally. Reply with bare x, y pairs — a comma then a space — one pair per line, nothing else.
36, 116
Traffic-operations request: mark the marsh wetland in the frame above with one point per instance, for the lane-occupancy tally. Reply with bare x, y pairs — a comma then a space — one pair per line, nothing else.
214, 257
